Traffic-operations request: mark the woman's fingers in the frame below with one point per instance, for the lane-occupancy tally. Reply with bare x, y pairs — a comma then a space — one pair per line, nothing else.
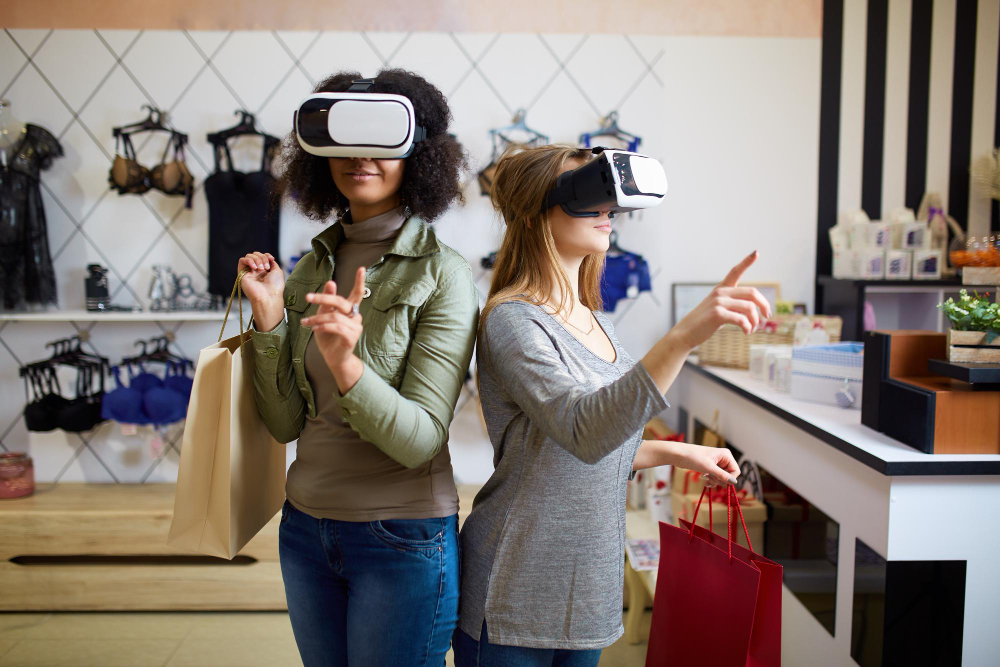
248, 261
736, 273
358, 292
258, 261
328, 299
745, 308
332, 328
727, 316
748, 294
330, 316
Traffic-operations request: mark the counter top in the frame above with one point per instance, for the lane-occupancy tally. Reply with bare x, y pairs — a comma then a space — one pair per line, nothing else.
842, 429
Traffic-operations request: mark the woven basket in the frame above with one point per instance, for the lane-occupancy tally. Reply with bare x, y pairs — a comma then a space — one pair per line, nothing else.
730, 347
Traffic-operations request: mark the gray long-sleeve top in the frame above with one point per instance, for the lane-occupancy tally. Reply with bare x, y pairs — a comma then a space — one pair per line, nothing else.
543, 549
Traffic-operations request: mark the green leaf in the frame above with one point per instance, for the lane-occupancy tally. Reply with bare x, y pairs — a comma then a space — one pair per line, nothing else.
991, 335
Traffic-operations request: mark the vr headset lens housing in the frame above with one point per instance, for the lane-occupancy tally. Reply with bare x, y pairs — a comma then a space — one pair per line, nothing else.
617, 181
357, 124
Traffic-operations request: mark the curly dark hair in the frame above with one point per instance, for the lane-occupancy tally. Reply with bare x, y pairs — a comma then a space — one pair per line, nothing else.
432, 178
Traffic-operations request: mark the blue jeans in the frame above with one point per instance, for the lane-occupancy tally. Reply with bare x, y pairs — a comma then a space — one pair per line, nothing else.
472, 653
368, 594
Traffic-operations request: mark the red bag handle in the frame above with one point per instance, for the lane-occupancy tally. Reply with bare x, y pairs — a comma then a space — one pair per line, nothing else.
730, 495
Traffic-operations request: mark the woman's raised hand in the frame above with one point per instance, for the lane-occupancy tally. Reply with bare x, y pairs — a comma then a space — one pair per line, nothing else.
264, 285
337, 323
727, 304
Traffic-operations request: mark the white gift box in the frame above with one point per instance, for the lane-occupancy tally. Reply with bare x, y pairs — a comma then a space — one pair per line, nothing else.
843, 264
637, 490
898, 264
783, 374
840, 238
758, 367
869, 264
771, 357
927, 264
659, 509
830, 374
909, 235
875, 234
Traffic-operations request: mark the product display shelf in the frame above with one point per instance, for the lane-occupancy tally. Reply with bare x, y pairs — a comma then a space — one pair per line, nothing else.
898, 304
114, 316
915, 511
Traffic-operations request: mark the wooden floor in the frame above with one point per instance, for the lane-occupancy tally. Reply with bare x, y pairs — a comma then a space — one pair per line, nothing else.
195, 639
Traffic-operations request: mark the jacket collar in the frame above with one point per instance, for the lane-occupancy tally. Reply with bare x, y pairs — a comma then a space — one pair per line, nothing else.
415, 240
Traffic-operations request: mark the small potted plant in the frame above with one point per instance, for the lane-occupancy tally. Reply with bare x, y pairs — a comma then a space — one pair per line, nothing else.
975, 328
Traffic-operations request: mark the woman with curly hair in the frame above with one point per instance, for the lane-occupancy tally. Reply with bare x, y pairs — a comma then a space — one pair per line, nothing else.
365, 373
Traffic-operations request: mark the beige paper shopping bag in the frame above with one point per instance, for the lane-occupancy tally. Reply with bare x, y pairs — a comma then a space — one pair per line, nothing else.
231, 480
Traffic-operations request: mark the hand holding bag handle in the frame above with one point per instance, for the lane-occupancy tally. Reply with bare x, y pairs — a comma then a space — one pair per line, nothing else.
730, 495
238, 295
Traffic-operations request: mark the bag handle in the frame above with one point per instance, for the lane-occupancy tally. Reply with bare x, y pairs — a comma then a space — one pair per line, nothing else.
237, 294
730, 495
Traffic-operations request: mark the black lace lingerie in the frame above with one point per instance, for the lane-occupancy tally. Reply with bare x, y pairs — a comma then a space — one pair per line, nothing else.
26, 273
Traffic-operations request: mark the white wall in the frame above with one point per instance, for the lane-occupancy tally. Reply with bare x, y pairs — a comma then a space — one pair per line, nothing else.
734, 120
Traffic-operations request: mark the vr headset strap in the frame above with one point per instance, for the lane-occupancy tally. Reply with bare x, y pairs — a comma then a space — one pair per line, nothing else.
561, 194
361, 85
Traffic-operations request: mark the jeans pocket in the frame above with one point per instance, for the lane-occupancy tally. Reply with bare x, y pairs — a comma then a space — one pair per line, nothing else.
410, 534
286, 510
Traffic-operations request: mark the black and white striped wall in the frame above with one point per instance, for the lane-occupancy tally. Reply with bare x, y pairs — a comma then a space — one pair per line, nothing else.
909, 98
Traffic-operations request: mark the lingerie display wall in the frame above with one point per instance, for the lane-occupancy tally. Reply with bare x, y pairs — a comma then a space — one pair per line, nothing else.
26, 272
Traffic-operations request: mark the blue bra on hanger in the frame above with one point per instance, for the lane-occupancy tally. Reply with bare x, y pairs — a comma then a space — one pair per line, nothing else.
149, 399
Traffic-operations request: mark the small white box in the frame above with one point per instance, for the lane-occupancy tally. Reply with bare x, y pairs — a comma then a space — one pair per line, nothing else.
843, 264
637, 490
771, 357
758, 367
875, 234
869, 264
898, 264
783, 374
927, 264
840, 238
909, 235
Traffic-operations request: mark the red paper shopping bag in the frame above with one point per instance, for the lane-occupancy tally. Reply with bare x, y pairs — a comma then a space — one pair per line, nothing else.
716, 602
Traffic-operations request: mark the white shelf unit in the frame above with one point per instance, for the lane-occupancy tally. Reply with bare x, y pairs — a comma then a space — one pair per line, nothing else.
117, 316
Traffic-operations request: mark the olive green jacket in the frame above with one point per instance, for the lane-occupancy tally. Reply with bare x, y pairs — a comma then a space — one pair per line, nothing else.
420, 313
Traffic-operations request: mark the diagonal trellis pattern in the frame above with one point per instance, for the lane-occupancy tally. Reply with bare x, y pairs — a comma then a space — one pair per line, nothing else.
79, 84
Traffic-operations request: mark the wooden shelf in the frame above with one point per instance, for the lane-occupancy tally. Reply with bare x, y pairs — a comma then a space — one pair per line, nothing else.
115, 316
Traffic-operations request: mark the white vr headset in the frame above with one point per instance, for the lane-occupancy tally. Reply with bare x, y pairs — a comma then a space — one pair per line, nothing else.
615, 181
357, 124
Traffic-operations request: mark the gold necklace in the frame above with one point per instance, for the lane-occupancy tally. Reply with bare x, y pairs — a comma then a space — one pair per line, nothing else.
585, 333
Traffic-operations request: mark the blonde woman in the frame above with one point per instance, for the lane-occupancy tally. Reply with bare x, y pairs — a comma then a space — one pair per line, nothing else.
543, 549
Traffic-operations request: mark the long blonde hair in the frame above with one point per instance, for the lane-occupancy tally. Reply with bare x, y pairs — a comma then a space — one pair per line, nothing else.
527, 259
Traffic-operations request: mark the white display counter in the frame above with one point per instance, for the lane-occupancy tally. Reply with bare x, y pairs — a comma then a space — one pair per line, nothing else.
904, 504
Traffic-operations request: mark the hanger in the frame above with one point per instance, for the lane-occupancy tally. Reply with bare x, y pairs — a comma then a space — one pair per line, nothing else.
152, 123
157, 350
615, 249
609, 128
247, 125
534, 137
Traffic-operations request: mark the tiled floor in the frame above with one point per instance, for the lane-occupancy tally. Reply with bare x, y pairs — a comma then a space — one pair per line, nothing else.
174, 640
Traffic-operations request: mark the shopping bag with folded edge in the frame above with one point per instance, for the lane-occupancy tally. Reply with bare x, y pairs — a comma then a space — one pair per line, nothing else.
231, 479
716, 602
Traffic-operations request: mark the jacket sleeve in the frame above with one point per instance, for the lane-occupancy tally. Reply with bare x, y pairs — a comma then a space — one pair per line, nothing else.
279, 402
588, 424
411, 425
